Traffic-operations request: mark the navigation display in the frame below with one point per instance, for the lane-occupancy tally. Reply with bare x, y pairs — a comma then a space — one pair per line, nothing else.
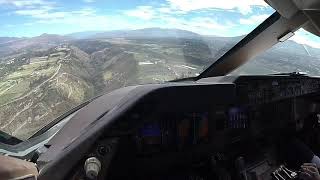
150, 137
174, 132
203, 128
184, 133
238, 118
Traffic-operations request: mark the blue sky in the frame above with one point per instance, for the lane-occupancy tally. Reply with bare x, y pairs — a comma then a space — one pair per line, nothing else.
208, 17
34, 17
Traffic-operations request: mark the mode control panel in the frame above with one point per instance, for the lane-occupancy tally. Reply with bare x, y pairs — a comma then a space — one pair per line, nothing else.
255, 90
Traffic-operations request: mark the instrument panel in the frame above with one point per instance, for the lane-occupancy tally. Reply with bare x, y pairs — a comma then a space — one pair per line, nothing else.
181, 124
184, 131
257, 97
173, 133
265, 89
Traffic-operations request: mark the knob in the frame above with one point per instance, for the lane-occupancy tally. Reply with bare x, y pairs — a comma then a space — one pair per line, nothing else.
92, 167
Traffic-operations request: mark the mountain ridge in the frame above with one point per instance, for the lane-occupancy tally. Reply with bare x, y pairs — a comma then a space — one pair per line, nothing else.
10, 44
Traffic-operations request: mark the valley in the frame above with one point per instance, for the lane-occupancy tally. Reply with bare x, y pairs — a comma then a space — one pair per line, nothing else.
38, 86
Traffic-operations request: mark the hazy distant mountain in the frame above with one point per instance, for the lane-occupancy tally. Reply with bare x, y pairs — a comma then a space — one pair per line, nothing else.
17, 45
148, 33
49, 38
139, 33
291, 47
7, 39
83, 35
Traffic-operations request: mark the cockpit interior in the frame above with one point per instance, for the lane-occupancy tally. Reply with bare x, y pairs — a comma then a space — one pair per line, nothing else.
214, 126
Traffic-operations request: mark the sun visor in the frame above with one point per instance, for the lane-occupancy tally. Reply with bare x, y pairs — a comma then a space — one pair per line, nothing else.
286, 8
289, 8
313, 25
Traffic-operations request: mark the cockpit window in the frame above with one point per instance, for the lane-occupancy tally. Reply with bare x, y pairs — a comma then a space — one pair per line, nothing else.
57, 54
299, 54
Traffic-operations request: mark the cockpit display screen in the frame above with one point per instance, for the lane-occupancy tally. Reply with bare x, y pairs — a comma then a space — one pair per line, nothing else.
238, 118
150, 137
151, 130
174, 132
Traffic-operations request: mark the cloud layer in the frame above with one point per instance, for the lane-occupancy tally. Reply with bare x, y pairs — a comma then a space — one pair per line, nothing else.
243, 6
201, 16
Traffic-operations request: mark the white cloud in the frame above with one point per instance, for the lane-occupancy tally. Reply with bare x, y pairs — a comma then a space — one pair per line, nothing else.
243, 6
169, 10
169, 17
84, 19
9, 25
40, 13
24, 3
142, 12
165, 10
209, 23
89, 1
254, 20
201, 25
93, 22
85, 12
173, 14
28, 24
48, 14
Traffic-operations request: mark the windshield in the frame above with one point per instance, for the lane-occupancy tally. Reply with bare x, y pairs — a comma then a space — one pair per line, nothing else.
301, 53
56, 54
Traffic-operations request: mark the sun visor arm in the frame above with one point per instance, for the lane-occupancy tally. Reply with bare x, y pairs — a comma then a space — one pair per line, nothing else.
289, 8
286, 8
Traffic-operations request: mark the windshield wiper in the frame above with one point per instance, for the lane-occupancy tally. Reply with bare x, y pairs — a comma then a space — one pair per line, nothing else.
295, 73
184, 79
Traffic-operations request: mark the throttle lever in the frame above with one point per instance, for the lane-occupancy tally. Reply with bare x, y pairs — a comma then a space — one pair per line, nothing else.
275, 176
285, 172
277, 172
293, 174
